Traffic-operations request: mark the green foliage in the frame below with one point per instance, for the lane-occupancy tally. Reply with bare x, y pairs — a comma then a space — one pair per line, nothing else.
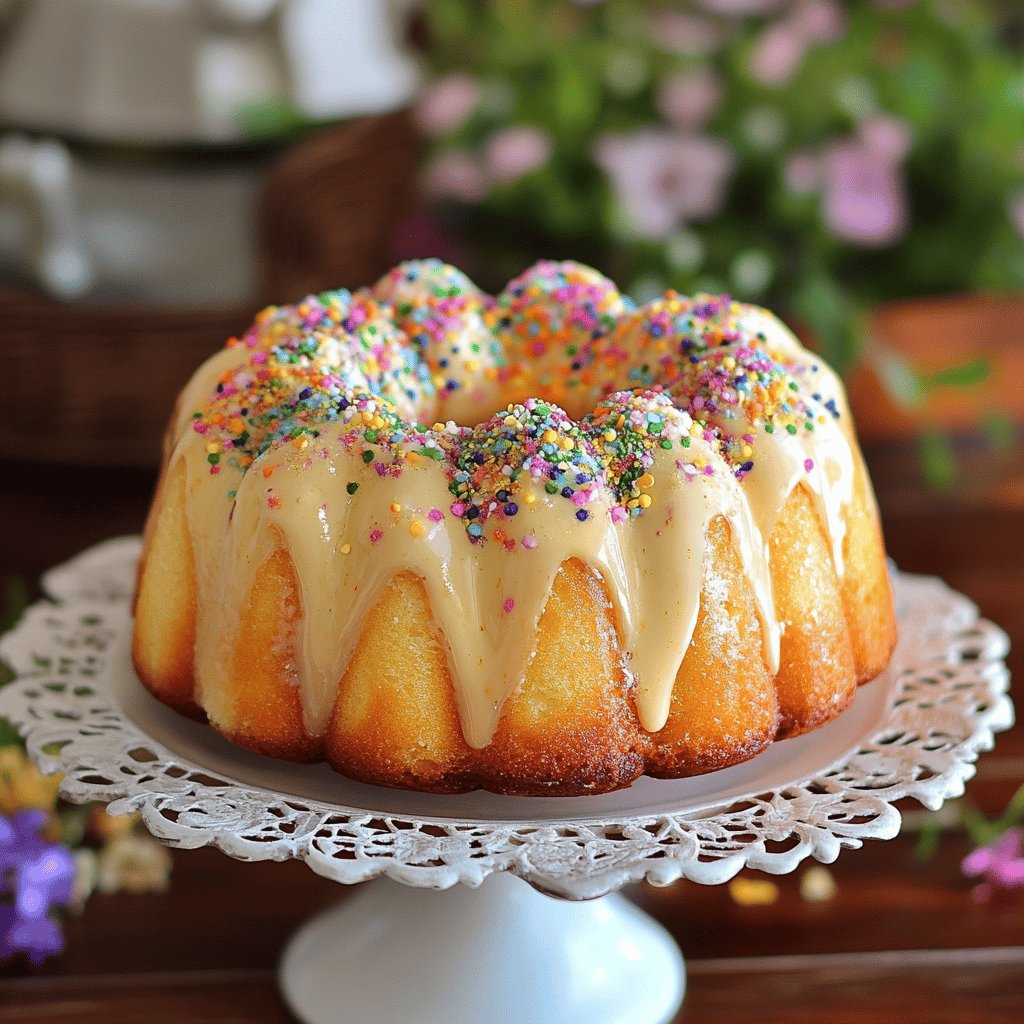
8, 734
938, 70
271, 119
938, 460
13, 601
962, 375
983, 830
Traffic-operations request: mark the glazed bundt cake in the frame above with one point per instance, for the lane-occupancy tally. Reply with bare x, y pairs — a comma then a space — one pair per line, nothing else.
660, 555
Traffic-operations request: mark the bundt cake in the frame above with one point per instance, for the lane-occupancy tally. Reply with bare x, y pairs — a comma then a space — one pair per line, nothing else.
660, 555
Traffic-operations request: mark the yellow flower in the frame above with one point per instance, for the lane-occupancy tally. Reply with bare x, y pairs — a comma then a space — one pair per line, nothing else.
753, 892
22, 786
109, 826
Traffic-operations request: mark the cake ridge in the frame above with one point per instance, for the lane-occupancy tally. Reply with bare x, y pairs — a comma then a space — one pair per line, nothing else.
309, 434
488, 635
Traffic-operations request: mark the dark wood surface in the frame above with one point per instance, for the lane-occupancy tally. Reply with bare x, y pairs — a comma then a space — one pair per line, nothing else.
901, 941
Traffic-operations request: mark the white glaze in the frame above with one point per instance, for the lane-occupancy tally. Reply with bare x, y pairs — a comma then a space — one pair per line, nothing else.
487, 600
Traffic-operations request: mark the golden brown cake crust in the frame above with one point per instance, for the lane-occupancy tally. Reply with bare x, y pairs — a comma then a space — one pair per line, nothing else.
572, 728
234, 608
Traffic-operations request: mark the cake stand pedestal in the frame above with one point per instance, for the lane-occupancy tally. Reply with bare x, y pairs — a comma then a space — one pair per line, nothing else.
495, 949
498, 953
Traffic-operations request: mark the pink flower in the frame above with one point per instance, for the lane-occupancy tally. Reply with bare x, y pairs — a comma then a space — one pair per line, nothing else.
888, 137
740, 7
802, 173
454, 175
690, 100
778, 54
1000, 864
513, 152
865, 199
820, 21
686, 34
446, 103
664, 178
780, 50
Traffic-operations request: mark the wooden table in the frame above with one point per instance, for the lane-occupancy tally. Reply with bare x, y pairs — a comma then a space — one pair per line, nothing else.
902, 940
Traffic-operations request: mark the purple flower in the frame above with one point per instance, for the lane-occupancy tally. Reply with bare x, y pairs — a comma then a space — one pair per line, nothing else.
780, 50
861, 178
686, 34
778, 54
690, 100
37, 937
999, 865
738, 8
446, 103
888, 137
19, 834
820, 21
39, 875
802, 172
663, 179
865, 200
454, 175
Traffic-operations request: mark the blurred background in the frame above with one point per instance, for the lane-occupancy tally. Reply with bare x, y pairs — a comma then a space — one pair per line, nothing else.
168, 165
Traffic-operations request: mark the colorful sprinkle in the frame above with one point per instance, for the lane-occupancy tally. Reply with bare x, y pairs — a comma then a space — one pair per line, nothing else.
346, 375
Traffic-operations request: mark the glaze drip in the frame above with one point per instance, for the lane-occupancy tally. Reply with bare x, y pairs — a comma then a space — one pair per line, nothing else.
305, 434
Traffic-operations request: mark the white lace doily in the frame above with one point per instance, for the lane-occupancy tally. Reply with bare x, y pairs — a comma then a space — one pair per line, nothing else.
914, 732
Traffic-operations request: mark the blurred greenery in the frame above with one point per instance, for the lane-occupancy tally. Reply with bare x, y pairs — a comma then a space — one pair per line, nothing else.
980, 829
983, 830
13, 602
947, 76
937, 459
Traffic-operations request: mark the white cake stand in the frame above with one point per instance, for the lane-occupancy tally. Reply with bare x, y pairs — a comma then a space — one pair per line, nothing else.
498, 951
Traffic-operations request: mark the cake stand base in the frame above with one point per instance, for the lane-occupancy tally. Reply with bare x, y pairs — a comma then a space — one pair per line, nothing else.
499, 953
